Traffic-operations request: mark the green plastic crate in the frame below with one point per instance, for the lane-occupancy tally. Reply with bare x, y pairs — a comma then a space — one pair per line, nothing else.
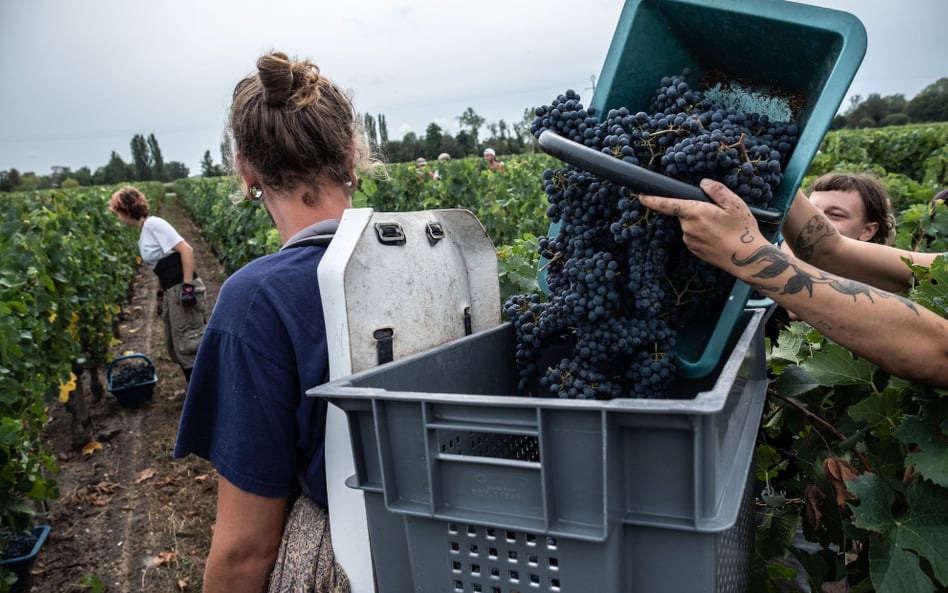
776, 49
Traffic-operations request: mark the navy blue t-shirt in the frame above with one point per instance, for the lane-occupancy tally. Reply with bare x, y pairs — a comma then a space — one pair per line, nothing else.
246, 410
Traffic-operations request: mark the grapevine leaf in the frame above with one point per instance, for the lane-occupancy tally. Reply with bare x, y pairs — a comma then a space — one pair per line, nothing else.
792, 339
932, 459
922, 528
835, 365
795, 381
932, 291
777, 526
875, 502
894, 570
882, 412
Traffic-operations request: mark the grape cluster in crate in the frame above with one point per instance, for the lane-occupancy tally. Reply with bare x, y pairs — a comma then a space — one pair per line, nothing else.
621, 283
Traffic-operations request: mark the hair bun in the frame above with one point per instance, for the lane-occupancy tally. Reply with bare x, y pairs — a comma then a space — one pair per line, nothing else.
285, 81
276, 76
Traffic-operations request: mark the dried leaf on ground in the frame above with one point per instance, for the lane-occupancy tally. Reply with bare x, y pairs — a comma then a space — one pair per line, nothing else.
164, 558
146, 474
91, 447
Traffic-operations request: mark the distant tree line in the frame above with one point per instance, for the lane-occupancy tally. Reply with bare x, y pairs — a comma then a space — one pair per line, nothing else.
147, 164
930, 105
503, 137
876, 111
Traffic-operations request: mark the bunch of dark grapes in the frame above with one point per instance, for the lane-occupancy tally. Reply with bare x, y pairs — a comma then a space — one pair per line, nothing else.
622, 284
132, 376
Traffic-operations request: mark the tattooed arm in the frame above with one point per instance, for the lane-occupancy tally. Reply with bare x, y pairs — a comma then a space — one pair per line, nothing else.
814, 239
906, 340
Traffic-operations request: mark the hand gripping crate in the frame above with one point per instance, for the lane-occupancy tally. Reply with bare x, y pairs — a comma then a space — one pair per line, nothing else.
472, 488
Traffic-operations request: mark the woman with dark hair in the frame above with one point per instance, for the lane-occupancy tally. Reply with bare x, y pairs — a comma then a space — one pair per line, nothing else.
857, 205
298, 145
181, 301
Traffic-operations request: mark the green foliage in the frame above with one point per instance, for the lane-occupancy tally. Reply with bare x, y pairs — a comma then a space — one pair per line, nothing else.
931, 104
517, 265
859, 460
92, 582
917, 152
508, 203
237, 230
66, 264
923, 227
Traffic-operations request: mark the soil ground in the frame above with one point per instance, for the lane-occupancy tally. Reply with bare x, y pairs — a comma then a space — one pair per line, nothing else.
129, 516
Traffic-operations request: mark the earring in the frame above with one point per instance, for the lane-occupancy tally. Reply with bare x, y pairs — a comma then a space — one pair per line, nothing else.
255, 192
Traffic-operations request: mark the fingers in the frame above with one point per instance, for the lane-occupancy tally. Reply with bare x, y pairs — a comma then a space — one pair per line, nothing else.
717, 191
669, 206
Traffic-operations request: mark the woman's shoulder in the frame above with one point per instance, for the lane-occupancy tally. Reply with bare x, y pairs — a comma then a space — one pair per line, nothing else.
158, 224
267, 293
153, 220
282, 274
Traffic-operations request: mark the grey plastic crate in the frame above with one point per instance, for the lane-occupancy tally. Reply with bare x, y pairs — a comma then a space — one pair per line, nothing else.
470, 487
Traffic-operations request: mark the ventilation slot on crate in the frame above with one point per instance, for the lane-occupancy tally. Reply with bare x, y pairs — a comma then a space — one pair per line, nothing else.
488, 560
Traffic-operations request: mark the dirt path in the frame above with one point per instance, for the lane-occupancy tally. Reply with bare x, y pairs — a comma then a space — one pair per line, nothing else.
129, 516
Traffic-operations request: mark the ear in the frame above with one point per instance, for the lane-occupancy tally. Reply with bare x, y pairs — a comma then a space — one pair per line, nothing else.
869, 231
246, 172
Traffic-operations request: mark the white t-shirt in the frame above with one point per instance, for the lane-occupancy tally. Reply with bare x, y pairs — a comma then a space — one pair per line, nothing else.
157, 240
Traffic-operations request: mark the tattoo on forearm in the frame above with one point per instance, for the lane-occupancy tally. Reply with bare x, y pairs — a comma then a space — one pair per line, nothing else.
814, 231
777, 263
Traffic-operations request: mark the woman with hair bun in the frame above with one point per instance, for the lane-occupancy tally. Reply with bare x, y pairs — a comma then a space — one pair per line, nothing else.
297, 146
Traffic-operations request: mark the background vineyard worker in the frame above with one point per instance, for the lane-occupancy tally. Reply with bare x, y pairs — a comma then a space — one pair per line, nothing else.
841, 286
421, 168
181, 300
492, 163
297, 146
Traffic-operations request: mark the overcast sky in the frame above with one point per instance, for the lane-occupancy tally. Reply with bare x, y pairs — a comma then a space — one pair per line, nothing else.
81, 77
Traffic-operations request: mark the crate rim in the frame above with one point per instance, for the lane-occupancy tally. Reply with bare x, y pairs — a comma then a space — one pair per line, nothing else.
706, 402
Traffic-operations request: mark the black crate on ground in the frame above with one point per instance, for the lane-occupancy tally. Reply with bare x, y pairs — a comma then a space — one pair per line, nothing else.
131, 379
